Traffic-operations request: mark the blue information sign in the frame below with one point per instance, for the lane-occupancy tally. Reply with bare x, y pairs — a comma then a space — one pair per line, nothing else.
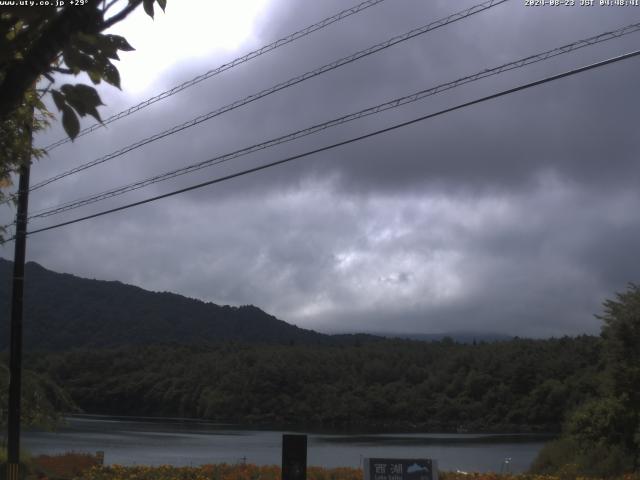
400, 469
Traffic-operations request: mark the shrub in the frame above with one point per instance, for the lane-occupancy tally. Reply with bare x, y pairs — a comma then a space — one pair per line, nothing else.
555, 456
67, 465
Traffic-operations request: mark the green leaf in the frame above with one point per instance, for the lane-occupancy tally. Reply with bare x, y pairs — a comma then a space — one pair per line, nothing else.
87, 43
111, 75
77, 61
118, 42
30, 14
89, 38
90, 99
84, 99
58, 99
68, 56
110, 53
95, 76
148, 7
70, 122
75, 102
110, 44
163, 4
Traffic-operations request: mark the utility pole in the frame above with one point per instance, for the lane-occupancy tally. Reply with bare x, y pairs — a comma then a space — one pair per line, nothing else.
17, 293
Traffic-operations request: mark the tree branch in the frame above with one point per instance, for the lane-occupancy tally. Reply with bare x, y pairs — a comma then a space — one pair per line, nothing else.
56, 35
66, 71
44, 91
109, 5
122, 14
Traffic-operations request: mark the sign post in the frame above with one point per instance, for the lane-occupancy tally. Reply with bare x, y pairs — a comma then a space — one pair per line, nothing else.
400, 469
294, 457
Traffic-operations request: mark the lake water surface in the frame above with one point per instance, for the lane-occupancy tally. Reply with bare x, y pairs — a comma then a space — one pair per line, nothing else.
173, 442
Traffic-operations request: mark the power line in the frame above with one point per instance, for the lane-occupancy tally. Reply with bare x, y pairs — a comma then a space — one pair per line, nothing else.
338, 121
280, 86
240, 60
345, 142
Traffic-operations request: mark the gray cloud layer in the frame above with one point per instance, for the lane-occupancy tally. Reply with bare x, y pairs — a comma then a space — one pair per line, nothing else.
514, 216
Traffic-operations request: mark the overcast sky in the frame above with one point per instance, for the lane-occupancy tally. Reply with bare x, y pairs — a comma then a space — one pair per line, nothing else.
517, 216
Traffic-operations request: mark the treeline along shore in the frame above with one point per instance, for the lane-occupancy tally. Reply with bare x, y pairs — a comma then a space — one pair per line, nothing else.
509, 386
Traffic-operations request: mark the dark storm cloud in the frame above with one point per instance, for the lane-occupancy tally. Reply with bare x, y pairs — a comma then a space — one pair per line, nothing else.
580, 126
512, 216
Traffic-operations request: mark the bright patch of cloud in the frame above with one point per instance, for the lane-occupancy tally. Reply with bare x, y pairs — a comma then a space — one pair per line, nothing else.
188, 30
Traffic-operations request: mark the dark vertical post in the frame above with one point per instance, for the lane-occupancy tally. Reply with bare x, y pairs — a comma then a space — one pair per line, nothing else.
15, 347
294, 457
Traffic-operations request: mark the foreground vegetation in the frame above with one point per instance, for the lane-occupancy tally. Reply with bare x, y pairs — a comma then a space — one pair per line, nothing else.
79, 466
252, 472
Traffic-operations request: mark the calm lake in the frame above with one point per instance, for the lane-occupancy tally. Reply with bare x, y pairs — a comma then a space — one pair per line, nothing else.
173, 442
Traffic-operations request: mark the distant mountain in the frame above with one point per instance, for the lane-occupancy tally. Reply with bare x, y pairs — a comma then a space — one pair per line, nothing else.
63, 311
459, 337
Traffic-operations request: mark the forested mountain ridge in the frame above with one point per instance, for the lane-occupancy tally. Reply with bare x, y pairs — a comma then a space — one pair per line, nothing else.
63, 311
520, 385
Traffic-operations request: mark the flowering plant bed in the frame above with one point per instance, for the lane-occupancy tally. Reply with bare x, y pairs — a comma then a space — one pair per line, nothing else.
78, 466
